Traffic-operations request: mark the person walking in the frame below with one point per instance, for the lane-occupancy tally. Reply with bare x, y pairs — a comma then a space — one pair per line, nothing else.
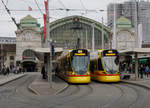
147, 70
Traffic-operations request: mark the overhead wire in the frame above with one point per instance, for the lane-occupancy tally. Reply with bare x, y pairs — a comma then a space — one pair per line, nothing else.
65, 8
62, 3
4, 10
38, 7
8, 11
54, 9
83, 7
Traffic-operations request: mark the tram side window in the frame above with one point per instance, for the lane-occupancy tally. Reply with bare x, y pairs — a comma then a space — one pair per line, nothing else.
100, 67
69, 65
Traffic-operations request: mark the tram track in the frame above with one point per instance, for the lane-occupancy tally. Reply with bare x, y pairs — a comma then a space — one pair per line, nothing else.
18, 90
69, 91
83, 91
25, 93
124, 96
115, 100
133, 104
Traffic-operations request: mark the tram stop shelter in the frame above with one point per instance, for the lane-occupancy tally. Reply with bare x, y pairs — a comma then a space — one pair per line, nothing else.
45, 54
135, 52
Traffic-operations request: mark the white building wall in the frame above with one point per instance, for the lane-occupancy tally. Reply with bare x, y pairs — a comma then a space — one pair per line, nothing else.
24, 42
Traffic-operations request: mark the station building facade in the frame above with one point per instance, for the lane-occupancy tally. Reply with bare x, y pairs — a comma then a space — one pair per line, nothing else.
7, 51
64, 32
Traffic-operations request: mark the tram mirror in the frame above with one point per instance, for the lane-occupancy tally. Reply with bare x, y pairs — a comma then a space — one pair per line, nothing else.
117, 60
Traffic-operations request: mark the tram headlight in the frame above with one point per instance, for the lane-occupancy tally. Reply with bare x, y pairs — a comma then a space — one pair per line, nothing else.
73, 73
88, 73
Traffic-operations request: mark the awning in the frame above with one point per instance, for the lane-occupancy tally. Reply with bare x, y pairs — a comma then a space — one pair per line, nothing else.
47, 50
29, 60
136, 50
141, 60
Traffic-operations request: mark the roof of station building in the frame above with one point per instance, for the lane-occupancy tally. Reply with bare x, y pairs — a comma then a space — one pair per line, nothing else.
29, 21
82, 19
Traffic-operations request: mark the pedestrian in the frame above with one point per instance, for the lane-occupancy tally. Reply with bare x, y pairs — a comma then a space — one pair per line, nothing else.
20, 70
17, 69
7, 70
147, 70
142, 69
43, 72
139, 69
14, 69
4, 70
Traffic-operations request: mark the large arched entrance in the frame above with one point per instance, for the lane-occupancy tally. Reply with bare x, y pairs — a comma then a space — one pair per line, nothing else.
29, 61
29, 66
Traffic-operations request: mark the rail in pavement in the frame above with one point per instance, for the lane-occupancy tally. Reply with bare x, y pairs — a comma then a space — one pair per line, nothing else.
41, 87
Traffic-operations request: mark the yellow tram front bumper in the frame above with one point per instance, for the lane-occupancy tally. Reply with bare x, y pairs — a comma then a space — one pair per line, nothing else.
109, 78
79, 79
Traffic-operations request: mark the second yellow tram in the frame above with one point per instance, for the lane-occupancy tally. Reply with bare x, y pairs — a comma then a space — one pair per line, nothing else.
104, 65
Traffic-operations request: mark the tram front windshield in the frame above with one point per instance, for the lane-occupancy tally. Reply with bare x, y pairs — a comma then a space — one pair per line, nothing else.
80, 64
111, 64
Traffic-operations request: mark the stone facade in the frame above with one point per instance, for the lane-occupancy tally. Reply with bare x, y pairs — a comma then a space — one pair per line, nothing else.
28, 38
7, 51
127, 9
125, 34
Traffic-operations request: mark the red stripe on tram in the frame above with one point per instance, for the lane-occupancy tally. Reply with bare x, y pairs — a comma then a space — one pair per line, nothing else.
107, 74
77, 75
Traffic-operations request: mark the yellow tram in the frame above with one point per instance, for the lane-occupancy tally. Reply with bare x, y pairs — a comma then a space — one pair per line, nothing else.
73, 66
104, 65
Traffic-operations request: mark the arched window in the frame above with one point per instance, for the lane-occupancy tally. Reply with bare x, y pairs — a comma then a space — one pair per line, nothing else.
29, 54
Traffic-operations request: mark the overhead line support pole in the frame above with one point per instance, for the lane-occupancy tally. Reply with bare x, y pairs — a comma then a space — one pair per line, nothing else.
102, 33
93, 38
48, 44
114, 32
136, 40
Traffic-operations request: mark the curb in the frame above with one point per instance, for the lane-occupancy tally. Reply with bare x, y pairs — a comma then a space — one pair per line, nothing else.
61, 90
33, 91
137, 84
30, 88
12, 79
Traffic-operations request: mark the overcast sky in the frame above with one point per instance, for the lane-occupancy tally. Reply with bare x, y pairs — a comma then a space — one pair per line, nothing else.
7, 27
